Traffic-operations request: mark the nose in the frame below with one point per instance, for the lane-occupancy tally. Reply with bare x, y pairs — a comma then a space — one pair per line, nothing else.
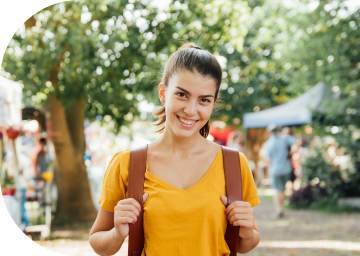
191, 108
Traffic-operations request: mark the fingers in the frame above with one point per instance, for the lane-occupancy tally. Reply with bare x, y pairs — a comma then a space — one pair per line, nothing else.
127, 210
223, 200
123, 220
130, 201
244, 220
241, 223
239, 213
125, 216
145, 197
237, 204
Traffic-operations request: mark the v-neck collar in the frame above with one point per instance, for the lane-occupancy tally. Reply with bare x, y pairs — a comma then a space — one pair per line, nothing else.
172, 187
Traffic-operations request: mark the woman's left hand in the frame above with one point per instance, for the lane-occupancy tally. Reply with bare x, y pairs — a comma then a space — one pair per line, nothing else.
240, 213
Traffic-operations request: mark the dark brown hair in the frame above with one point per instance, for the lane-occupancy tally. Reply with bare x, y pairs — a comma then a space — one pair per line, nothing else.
192, 58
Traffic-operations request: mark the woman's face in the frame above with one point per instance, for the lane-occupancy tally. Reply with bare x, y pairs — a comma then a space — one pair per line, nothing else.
189, 100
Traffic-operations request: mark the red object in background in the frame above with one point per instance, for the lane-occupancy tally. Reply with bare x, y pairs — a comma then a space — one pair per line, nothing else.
220, 135
12, 133
252, 132
9, 192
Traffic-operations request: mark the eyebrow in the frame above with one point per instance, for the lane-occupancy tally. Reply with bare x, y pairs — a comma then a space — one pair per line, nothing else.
201, 96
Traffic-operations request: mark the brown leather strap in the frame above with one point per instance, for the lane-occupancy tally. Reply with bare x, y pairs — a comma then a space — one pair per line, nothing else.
135, 190
233, 182
136, 180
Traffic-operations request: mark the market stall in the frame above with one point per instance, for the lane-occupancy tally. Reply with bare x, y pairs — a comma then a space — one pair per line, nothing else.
295, 112
10, 121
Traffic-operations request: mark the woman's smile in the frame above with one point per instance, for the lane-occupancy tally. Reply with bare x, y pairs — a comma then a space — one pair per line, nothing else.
188, 123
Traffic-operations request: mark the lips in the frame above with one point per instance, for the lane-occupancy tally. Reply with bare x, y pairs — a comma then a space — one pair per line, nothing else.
187, 122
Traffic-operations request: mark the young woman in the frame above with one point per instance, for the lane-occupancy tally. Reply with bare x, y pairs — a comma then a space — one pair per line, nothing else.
184, 189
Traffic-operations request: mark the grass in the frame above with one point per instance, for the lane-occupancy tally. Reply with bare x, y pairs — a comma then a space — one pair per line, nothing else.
327, 206
265, 198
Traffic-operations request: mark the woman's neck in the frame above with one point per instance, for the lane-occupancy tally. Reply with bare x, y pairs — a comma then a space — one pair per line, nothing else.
172, 144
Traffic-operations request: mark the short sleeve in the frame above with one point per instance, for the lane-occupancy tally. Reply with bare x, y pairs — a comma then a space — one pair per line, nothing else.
113, 189
249, 188
291, 140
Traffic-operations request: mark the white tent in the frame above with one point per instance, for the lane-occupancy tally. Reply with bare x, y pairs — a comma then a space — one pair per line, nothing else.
10, 101
294, 112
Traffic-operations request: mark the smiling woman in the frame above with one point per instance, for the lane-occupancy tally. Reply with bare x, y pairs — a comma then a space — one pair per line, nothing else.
188, 62
191, 99
185, 210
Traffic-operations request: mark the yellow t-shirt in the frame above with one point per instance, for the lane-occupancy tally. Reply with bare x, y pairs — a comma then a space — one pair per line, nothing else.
176, 221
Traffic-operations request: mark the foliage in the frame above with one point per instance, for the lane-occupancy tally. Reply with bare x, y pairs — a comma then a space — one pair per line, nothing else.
329, 172
254, 77
334, 168
323, 45
324, 205
307, 195
112, 52
6, 180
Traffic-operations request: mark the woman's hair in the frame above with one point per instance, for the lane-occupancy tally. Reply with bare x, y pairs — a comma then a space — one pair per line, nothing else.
192, 58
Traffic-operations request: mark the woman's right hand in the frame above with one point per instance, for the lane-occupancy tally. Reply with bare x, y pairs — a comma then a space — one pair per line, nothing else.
126, 211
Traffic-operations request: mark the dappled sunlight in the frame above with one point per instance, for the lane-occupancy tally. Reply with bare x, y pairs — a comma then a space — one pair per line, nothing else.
76, 247
277, 223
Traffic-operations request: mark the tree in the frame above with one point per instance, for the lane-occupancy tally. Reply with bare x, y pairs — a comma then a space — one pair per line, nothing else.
82, 59
324, 45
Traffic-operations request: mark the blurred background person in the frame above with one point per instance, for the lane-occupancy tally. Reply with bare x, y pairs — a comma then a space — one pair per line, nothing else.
276, 151
39, 164
236, 141
291, 151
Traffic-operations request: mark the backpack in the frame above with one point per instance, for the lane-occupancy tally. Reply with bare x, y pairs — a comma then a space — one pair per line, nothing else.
137, 167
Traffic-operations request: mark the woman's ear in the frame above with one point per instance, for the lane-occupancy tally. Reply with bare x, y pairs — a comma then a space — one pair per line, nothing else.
217, 97
161, 90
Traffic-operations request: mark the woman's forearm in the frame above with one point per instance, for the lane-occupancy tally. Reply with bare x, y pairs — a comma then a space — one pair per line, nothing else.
106, 243
246, 245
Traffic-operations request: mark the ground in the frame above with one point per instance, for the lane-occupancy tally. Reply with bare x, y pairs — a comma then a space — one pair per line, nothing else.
306, 233
301, 232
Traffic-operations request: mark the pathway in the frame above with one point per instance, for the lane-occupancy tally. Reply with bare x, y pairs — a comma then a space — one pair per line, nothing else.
301, 232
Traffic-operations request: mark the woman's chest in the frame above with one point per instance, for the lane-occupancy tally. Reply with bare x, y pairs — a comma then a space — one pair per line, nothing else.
182, 174
168, 204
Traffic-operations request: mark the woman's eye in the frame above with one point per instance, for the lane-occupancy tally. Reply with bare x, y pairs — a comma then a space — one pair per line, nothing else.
205, 100
181, 94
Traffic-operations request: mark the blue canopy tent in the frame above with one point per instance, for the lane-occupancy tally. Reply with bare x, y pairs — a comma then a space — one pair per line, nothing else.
295, 112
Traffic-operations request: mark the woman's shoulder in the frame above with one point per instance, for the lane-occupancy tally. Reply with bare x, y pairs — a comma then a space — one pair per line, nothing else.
123, 155
120, 161
244, 161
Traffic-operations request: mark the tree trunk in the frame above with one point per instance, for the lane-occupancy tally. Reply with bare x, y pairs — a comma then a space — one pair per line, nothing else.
74, 203
74, 197
31, 22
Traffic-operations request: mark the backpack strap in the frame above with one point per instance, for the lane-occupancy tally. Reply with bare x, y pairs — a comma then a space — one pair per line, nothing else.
135, 189
232, 169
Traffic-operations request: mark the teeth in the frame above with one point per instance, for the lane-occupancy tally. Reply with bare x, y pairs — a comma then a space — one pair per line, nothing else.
186, 121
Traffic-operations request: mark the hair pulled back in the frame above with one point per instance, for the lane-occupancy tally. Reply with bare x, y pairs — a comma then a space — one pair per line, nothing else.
192, 58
